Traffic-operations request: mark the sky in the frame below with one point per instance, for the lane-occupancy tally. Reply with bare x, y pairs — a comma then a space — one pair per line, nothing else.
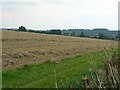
60, 14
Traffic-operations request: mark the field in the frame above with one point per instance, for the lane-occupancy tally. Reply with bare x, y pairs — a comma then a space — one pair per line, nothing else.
23, 48
69, 72
32, 60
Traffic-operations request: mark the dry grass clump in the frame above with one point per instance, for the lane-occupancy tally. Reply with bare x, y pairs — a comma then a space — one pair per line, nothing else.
108, 76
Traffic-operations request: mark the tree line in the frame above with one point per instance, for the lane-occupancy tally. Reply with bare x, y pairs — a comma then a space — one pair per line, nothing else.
59, 32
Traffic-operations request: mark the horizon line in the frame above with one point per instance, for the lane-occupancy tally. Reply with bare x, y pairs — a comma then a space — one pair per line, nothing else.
60, 28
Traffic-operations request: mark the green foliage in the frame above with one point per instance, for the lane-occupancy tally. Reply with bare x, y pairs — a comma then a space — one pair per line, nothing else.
35, 31
54, 31
22, 28
73, 34
102, 36
82, 34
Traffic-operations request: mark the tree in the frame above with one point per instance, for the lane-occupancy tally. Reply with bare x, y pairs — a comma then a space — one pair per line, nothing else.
102, 36
22, 28
73, 34
82, 34
55, 31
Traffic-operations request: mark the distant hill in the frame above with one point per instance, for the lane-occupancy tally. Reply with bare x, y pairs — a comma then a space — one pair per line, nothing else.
91, 33
94, 33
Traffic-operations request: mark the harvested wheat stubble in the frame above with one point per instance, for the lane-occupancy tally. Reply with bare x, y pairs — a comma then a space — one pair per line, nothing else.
21, 48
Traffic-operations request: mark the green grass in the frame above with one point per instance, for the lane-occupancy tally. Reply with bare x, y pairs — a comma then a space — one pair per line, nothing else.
69, 72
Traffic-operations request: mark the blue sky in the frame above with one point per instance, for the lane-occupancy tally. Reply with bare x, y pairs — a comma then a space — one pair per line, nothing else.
60, 14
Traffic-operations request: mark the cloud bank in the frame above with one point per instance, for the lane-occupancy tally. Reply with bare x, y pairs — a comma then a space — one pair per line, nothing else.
49, 14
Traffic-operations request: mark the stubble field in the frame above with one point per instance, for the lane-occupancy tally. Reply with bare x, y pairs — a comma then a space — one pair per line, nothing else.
22, 48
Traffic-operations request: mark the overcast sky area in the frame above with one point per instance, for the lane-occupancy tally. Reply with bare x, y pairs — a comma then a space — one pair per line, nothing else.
60, 14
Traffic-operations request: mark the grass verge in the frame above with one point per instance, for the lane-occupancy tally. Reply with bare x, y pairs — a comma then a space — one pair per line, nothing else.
69, 72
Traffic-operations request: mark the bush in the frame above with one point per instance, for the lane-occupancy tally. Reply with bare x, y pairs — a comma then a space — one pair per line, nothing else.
22, 28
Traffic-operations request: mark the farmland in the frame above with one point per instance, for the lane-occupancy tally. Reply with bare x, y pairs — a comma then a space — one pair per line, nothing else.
29, 59
23, 48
